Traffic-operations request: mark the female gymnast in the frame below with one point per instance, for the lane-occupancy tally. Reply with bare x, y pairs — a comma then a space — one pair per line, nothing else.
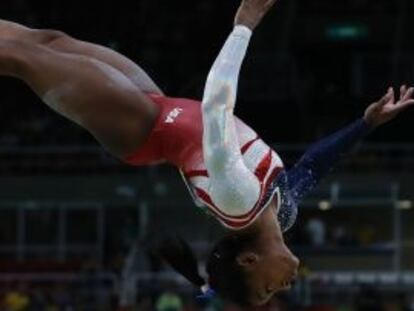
229, 170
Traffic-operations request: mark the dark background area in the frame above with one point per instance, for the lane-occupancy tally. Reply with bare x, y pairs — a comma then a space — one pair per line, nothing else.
312, 66
71, 216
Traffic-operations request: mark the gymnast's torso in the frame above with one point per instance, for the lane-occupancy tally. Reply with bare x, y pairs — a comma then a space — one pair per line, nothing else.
177, 138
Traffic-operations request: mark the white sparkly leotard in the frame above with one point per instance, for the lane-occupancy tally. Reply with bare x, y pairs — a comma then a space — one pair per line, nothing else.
226, 166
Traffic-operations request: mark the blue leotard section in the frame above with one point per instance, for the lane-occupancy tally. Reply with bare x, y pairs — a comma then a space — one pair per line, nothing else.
320, 159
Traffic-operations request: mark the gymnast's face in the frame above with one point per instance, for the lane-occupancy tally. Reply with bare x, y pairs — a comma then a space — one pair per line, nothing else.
269, 267
273, 273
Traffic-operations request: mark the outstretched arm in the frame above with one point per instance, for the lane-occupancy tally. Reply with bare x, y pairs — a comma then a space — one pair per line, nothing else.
233, 187
324, 155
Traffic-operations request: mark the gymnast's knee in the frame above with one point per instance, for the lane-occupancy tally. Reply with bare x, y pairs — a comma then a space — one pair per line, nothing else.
48, 36
14, 57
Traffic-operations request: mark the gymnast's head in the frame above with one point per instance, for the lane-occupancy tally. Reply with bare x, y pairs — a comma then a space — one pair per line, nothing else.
246, 267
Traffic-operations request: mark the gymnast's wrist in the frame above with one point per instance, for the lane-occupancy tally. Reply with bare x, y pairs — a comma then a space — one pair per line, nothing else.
242, 31
370, 123
367, 126
245, 24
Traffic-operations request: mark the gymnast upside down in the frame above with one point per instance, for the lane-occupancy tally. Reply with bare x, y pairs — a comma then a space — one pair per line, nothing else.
229, 170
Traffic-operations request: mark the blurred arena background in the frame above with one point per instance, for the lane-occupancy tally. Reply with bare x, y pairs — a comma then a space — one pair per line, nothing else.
78, 228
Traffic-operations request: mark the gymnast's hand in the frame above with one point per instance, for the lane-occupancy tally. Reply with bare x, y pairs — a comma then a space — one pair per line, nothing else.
251, 12
387, 109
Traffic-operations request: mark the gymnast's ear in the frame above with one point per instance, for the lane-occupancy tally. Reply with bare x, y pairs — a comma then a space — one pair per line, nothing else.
248, 260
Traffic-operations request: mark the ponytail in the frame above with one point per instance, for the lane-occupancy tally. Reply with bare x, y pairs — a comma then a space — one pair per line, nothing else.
178, 254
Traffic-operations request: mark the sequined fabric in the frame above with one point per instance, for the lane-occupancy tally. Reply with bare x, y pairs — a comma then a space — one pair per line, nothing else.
319, 160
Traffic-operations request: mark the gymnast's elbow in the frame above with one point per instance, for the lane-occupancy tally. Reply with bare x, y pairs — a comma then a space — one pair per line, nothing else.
219, 94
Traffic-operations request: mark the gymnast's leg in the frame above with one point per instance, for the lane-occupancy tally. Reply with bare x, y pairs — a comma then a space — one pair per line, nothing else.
85, 90
61, 42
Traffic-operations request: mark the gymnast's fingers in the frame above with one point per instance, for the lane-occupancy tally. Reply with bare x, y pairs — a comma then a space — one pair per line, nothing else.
408, 94
401, 106
386, 98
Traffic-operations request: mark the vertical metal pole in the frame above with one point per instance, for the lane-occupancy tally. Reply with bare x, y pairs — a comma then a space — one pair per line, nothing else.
21, 233
61, 234
396, 228
335, 191
100, 231
143, 217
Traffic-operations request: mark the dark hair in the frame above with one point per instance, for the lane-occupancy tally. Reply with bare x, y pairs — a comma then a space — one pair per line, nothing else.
225, 275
